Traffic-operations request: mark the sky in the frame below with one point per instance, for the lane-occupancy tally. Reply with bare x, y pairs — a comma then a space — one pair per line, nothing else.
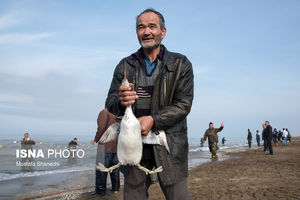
57, 60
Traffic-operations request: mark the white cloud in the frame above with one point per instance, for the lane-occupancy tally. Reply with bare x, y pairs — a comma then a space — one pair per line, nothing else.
16, 98
9, 20
22, 38
65, 61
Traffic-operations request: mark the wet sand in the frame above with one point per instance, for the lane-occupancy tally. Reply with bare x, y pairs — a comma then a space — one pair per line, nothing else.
246, 175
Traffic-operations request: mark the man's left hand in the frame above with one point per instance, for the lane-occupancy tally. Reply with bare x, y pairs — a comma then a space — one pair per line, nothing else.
146, 124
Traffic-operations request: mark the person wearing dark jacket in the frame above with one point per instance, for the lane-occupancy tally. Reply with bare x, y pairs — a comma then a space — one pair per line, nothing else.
268, 137
73, 144
249, 138
161, 92
106, 154
212, 134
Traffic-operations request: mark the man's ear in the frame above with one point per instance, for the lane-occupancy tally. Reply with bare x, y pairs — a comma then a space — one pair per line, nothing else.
164, 32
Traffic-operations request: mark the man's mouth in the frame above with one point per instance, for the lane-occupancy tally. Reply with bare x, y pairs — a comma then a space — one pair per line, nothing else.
147, 39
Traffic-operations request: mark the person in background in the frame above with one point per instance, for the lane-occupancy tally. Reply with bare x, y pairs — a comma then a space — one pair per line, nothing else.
212, 134
73, 144
249, 138
274, 135
264, 138
268, 136
201, 142
258, 138
107, 155
223, 141
279, 136
26, 144
285, 137
289, 135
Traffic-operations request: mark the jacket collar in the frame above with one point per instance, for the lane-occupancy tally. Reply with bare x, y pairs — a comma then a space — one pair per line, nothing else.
164, 56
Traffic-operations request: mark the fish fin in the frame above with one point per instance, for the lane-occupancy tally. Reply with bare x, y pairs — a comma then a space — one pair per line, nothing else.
111, 133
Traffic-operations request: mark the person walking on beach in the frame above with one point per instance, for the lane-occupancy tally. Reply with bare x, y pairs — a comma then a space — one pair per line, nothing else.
161, 92
268, 137
249, 138
258, 138
212, 134
285, 137
106, 154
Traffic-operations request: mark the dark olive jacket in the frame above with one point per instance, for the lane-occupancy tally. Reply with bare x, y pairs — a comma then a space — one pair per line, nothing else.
212, 134
171, 103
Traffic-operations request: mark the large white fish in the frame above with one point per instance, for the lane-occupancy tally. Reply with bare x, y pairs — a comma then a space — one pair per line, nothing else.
130, 140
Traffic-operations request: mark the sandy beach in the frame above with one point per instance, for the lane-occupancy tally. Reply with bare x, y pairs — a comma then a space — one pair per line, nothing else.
246, 175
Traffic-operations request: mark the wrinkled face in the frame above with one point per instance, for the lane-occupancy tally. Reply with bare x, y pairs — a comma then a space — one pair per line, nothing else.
148, 30
211, 126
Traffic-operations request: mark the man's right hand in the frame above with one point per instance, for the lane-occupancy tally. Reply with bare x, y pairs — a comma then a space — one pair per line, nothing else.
127, 95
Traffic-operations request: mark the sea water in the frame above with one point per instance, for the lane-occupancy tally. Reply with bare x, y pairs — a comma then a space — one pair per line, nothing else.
10, 167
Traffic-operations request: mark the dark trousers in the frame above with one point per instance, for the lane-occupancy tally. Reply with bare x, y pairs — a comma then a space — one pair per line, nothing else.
258, 142
265, 145
137, 184
269, 145
249, 143
110, 159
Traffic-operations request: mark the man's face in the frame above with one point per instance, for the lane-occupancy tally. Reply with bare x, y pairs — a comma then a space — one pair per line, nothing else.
211, 126
26, 135
266, 123
149, 32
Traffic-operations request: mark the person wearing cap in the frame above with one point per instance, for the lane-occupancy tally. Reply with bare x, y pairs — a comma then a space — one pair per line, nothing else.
212, 134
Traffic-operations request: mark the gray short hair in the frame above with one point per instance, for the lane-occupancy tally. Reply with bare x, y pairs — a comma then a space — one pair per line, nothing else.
160, 16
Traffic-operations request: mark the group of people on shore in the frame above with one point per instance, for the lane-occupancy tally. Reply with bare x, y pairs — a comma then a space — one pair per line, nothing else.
270, 136
276, 136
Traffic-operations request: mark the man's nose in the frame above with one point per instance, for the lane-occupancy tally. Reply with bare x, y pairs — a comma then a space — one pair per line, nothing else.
147, 31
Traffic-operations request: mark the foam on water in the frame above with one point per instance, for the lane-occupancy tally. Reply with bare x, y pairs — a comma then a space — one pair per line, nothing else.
9, 170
